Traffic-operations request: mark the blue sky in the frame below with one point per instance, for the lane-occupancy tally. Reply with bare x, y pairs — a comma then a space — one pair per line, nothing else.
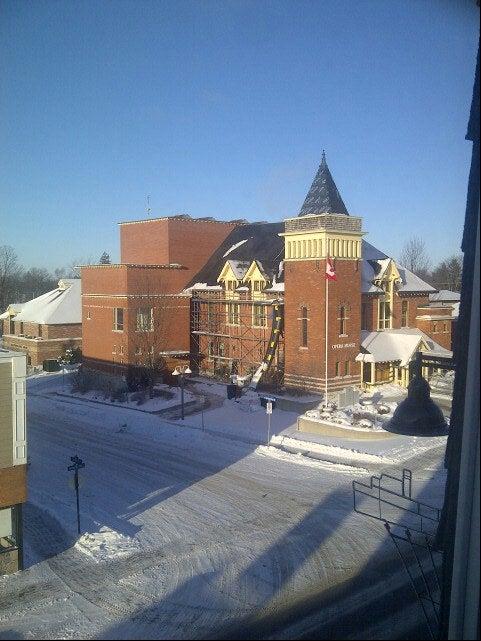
222, 108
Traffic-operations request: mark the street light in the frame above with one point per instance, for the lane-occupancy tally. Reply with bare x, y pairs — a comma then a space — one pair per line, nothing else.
182, 371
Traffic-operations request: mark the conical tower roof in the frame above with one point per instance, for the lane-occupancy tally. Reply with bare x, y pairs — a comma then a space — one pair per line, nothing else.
323, 196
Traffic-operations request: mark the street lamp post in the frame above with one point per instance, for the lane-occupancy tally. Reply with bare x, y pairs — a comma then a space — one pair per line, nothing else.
182, 372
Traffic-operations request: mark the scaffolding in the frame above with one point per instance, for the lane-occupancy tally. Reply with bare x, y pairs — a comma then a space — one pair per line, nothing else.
233, 334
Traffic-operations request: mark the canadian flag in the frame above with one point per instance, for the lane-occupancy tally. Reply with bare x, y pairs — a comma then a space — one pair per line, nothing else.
330, 272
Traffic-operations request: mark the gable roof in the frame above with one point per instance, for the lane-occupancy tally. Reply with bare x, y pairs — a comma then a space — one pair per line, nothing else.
57, 307
323, 197
254, 241
445, 296
397, 345
372, 265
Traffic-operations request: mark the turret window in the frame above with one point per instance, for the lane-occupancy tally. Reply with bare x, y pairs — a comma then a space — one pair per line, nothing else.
343, 318
404, 313
304, 329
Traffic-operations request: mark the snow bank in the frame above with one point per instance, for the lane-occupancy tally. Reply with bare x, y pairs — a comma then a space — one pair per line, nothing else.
341, 453
105, 545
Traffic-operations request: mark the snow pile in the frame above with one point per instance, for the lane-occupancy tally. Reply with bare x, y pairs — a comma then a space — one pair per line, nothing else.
365, 415
344, 455
300, 458
104, 545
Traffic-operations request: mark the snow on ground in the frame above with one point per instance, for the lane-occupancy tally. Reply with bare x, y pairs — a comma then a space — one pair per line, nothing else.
185, 531
147, 405
168, 397
104, 545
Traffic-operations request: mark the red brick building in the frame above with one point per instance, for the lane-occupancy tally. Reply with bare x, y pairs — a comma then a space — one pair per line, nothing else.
46, 326
250, 298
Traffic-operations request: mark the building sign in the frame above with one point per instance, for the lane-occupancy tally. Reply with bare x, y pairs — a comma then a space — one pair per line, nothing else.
343, 345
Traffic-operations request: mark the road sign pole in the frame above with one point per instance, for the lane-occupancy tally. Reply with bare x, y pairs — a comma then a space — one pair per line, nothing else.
78, 501
268, 428
77, 463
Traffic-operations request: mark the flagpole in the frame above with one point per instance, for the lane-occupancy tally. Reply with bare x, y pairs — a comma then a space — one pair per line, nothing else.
327, 326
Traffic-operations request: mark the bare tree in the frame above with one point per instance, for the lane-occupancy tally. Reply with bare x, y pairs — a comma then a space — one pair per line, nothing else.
9, 273
447, 274
73, 269
149, 325
35, 282
415, 258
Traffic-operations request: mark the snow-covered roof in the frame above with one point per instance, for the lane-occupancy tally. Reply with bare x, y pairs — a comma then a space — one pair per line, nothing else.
234, 246
445, 296
203, 287
375, 263
276, 287
57, 307
412, 283
368, 275
397, 345
11, 310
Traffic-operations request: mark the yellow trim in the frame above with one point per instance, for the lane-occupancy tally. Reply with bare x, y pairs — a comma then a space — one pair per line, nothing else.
313, 245
226, 271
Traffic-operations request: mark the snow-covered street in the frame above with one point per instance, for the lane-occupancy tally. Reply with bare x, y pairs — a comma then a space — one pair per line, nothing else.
185, 531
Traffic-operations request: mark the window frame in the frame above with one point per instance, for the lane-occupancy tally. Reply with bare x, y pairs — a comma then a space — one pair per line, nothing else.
139, 312
304, 327
118, 327
343, 318
260, 314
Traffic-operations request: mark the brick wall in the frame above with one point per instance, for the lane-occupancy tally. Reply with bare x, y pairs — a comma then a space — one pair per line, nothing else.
39, 350
371, 306
440, 331
413, 303
172, 240
72, 330
118, 280
131, 288
305, 286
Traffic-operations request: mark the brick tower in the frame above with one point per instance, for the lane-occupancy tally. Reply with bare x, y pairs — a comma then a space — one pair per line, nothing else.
322, 229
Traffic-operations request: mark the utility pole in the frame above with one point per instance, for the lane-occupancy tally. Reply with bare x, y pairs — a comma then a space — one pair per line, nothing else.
77, 464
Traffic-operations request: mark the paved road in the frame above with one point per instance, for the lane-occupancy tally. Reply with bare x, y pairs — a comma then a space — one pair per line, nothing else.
215, 533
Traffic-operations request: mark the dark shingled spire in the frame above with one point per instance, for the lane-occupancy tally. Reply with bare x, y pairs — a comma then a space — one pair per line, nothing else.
323, 197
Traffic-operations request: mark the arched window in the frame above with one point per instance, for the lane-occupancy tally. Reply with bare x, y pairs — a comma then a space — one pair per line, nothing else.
304, 319
343, 318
